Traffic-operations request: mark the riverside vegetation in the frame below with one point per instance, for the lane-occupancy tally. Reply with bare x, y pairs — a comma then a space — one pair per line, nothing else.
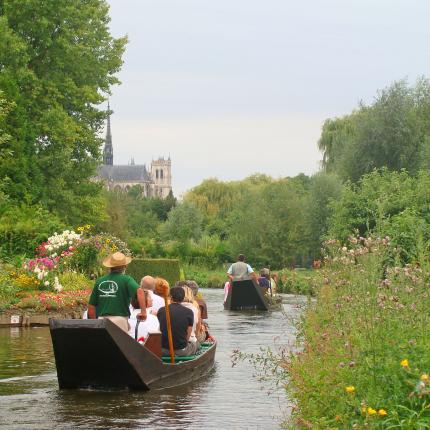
364, 353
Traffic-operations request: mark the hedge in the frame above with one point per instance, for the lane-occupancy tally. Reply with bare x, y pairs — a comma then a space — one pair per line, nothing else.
168, 269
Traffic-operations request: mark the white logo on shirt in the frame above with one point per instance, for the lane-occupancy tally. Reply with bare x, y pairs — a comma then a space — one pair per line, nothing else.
108, 288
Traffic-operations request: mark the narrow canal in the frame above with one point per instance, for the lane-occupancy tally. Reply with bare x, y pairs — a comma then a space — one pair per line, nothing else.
228, 398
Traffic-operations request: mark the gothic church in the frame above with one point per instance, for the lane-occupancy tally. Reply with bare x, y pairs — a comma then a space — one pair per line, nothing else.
155, 182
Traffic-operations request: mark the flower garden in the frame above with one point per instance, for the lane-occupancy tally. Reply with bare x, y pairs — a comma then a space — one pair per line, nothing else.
60, 275
364, 358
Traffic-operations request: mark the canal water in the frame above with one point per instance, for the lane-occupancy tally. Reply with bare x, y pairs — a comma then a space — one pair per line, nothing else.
227, 398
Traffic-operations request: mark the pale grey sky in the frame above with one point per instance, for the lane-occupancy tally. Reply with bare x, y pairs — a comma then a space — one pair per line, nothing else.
234, 87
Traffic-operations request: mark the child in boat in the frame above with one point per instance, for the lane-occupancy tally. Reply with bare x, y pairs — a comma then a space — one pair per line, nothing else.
150, 325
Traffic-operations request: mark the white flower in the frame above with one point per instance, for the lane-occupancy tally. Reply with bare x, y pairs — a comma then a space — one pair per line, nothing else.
70, 242
46, 283
57, 286
40, 276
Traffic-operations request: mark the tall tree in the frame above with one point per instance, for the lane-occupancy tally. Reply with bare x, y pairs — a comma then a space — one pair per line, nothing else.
392, 132
57, 62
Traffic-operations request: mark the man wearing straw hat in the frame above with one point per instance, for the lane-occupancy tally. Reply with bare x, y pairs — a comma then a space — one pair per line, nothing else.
113, 293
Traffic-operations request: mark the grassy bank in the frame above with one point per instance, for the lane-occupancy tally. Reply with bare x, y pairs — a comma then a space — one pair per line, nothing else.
297, 281
204, 277
292, 281
365, 357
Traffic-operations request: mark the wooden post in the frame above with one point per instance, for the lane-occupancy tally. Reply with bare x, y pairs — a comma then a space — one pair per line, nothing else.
169, 327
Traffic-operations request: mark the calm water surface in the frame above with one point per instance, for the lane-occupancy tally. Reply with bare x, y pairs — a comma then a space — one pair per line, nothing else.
228, 398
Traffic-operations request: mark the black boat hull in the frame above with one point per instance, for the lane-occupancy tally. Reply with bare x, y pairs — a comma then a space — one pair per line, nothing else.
248, 295
97, 354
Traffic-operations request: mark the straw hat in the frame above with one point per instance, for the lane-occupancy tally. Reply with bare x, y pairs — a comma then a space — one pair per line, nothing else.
116, 260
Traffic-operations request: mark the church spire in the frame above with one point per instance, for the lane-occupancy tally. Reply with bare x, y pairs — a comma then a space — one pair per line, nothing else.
108, 149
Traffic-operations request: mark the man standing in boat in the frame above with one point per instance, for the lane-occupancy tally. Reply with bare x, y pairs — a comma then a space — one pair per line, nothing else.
113, 293
240, 270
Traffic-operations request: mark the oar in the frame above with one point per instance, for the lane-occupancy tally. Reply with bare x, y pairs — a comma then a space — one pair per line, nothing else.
136, 330
169, 326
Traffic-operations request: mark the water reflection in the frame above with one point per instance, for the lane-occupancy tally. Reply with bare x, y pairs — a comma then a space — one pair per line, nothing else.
227, 398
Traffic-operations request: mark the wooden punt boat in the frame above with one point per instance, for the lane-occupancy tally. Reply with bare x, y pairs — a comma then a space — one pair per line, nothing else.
248, 295
97, 354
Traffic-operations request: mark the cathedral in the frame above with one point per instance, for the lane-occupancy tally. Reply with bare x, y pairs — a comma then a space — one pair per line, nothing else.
154, 182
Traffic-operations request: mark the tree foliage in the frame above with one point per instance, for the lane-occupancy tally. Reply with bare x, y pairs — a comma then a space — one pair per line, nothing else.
57, 59
392, 132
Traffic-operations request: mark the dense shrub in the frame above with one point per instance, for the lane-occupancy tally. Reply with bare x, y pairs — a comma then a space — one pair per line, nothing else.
385, 203
206, 278
23, 228
296, 281
365, 355
168, 269
73, 281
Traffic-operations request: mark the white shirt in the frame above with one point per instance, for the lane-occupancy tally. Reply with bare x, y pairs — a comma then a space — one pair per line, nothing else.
157, 301
150, 325
193, 337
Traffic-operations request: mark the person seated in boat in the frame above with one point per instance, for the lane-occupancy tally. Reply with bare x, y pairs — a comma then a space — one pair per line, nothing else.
182, 320
150, 325
273, 282
197, 334
264, 280
227, 288
203, 308
240, 270
198, 298
148, 283
113, 293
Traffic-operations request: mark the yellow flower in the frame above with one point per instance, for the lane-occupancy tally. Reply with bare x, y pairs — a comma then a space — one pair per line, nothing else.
80, 228
350, 389
87, 226
425, 377
371, 411
363, 409
382, 413
404, 363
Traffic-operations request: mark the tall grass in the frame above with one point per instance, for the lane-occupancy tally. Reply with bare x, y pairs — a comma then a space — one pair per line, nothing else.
365, 357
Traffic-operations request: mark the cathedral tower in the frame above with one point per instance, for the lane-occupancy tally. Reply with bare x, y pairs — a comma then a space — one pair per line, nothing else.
161, 173
108, 149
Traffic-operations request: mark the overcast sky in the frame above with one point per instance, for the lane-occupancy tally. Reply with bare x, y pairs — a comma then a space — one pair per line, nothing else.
233, 87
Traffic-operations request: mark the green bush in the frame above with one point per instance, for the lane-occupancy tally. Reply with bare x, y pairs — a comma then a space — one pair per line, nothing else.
72, 281
297, 281
206, 278
23, 228
168, 269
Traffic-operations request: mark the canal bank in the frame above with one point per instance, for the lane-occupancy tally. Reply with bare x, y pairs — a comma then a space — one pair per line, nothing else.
229, 398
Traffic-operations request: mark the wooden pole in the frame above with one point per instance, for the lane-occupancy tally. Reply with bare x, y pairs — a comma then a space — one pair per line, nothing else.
169, 327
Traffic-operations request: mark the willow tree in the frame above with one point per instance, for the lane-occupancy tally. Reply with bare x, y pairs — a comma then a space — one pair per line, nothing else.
58, 62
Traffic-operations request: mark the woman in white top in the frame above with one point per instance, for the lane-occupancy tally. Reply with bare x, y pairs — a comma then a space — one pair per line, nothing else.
150, 325
190, 303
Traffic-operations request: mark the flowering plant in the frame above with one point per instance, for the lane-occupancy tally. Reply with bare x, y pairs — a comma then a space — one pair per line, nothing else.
54, 301
62, 244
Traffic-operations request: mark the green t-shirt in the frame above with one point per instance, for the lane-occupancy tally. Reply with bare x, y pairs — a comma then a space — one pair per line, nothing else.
112, 294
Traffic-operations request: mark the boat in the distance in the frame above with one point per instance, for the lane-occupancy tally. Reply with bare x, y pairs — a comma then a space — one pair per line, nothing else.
248, 295
97, 354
